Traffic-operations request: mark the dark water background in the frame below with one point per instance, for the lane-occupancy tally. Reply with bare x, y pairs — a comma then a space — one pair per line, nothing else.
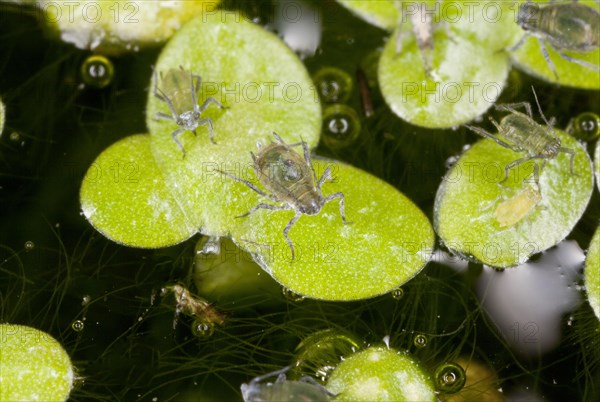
51, 258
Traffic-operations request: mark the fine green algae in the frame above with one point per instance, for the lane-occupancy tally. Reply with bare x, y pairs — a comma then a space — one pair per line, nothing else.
2, 112
33, 366
381, 374
119, 26
530, 59
471, 221
592, 273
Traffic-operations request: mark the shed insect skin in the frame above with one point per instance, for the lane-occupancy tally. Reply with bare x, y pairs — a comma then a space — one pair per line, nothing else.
305, 389
520, 133
192, 306
572, 27
512, 211
182, 100
290, 179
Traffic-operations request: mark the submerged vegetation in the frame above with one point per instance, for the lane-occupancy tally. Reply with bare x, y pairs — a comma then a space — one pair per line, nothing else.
126, 235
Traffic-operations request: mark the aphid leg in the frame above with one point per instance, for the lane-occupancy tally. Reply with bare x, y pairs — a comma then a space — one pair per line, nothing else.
571, 158
547, 57
401, 34
326, 175
484, 133
161, 115
310, 380
208, 102
287, 229
208, 121
262, 205
175, 134
342, 212
250, 185
274, 373
512, 107
517, 163
519, 43
582, 63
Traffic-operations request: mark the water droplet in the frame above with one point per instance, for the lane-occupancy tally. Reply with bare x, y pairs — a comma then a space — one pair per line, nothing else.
291, 295
97, 71
29, 245
77, 325
398, 293
202, 329
15, 136
450, 378
333, 85
420, 341
585, 126
341, 126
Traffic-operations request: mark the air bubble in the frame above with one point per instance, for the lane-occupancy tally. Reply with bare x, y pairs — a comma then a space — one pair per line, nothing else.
585, 126
15, 136
86, 299
318, 354
77, 325
420, 341
203, 329
333, 85
450, 378
29, 245
97, 71
291, 295
341, 126
398, 293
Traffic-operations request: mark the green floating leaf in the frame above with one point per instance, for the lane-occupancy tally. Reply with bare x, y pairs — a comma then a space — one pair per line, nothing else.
592, 273
381, 374
530, 59
468, 65
264, 87
175, 197
114, 27
381, 13
123, 195
33, 366
388, 242
503, 224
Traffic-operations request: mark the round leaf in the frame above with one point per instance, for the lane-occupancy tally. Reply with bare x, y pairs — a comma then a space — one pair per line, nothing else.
382, 13
503, 224
388, 242
33, 366
530, 59
123, 195
381, 374
592, 273
113, 27
264, 88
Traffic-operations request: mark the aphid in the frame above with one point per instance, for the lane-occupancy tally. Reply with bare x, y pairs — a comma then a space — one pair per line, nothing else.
180, 93
572, 27
520, 133
516, 208
193, 306
290, 179
305, 389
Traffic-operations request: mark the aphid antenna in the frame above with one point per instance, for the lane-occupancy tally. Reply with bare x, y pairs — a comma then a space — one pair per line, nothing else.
537, 102
277, 373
